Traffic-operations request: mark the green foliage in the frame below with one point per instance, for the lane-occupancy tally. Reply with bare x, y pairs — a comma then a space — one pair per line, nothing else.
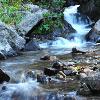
50, 22
51, 3
53, 19
9, 11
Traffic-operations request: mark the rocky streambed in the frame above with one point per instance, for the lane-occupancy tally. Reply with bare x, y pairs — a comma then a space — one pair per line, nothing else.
29, 82
63, 68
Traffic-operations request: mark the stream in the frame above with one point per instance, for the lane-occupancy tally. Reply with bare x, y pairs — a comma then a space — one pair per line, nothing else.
22, 88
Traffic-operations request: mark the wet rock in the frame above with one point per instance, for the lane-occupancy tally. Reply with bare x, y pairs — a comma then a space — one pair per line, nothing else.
3, 77
42, 79
90, 83
30, 74
47, 57
50, 71
94, 34
84, 90
70, 72
32, 46
66, 30
58, 65
74, 50
94, 68
2, 56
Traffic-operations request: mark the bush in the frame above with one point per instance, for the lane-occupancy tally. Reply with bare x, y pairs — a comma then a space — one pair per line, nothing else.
9, 11
53, 19
50, 22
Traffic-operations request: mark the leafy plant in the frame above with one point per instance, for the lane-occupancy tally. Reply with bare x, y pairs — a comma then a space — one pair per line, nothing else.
9, 11
53, 19
50, 22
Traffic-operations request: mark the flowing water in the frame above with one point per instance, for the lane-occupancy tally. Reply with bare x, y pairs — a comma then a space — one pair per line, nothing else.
79, 23
22, 88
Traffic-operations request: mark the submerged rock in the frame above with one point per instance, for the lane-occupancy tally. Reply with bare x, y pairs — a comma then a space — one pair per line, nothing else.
58, 65
47, 57
3, 77
74, 50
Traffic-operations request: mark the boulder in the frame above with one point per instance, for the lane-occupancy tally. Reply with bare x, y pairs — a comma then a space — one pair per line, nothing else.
74, 50
32, 17
50, 71
32, 46
58, 65
10, 40
31, 75
47, 57
90, 83
94, 34
42, 79
3, 77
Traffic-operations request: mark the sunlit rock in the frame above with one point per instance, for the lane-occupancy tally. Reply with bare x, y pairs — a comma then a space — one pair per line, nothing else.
31, 18
10, 41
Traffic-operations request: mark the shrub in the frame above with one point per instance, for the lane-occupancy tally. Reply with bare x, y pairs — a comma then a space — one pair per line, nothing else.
50, 22
9, 11
53, 19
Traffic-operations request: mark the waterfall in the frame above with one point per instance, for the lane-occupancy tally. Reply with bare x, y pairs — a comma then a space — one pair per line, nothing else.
79, 23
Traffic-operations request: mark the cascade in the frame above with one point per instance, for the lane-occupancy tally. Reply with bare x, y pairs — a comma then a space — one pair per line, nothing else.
79, 23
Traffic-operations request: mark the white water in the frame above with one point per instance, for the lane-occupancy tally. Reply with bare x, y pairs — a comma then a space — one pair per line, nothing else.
77, 38
20, 91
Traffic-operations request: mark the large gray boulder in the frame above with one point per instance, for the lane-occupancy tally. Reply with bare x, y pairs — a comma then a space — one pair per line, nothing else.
10, 41
94, 34
90, 84
32, 17
12, 38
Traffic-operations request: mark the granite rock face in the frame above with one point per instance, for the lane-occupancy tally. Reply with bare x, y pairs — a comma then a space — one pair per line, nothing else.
10, 40
94, 34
